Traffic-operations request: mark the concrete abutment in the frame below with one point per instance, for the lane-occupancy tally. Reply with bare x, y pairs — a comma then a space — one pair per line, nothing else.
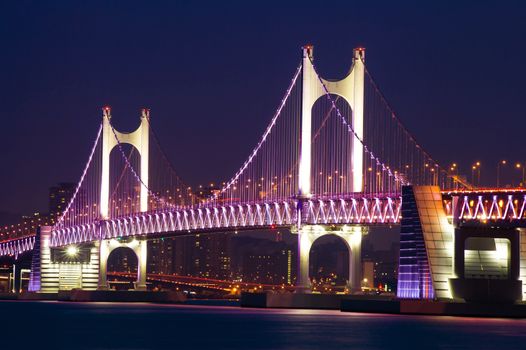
81, 266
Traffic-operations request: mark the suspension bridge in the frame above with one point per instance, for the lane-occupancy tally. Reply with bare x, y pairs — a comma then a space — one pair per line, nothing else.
334, 159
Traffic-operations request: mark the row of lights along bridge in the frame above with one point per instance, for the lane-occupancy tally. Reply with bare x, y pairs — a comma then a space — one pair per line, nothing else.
507, 174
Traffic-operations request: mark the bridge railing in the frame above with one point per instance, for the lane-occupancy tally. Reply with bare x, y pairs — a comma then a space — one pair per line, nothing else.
487, 206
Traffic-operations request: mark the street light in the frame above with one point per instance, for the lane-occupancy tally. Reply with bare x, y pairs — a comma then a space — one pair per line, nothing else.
477, 167
523, 167
454, 173
434, 177
502, 162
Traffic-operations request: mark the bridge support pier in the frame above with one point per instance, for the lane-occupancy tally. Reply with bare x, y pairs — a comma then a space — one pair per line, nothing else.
351, 235
62, 268
138, 247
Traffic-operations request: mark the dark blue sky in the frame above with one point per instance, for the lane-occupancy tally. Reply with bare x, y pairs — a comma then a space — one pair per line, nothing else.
213, 73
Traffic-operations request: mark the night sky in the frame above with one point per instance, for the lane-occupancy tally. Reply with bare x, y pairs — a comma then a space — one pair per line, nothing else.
213, 74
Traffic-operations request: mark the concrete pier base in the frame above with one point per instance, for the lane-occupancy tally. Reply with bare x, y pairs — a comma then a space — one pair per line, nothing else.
292, 300
442, 308
37, 296
122, 296
104, 296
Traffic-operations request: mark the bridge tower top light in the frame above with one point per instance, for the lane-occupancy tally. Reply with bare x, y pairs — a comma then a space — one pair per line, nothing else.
145, 113
106, 112
359, 53
308, 51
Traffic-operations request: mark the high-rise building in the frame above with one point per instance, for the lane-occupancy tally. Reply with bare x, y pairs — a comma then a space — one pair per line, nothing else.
59, 197
368, 274
203, 256
268, 267
218, 256
329, 261
122, 260
160, 256
224, 256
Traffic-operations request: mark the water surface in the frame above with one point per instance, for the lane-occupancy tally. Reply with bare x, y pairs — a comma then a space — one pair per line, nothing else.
61, 325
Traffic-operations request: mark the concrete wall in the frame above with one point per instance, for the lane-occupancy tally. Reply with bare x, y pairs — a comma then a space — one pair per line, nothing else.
426, 243
438, 237
50, 277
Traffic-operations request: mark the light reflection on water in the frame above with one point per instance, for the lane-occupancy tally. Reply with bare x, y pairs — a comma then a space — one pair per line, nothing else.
59, 325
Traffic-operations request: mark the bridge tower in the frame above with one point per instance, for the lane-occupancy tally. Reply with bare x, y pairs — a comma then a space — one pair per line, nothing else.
351, 89
140, 140
49, 273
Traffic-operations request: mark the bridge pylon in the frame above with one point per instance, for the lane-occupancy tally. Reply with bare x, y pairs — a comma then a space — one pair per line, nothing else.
138, 139
351, 89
